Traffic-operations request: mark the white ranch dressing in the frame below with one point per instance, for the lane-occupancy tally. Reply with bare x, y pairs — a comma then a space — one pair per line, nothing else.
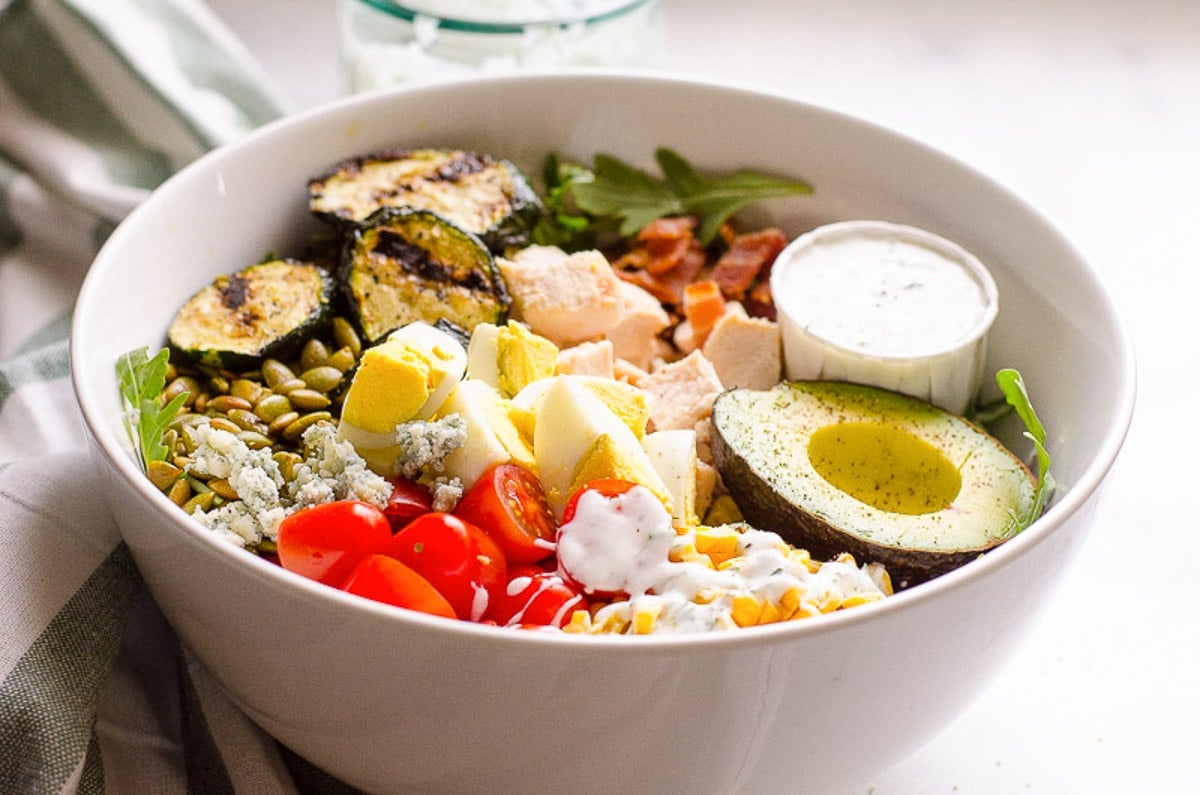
888, 305
623, 545
518, 584
883, 296
616, 544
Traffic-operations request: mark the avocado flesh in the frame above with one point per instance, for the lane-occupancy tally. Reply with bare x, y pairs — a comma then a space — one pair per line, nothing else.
837, 467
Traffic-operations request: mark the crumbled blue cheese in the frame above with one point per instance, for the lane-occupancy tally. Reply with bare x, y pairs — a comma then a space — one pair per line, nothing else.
331, 470
446, 493
424, 445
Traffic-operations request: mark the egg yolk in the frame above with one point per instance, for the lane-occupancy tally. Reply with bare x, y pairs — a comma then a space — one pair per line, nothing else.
391, 385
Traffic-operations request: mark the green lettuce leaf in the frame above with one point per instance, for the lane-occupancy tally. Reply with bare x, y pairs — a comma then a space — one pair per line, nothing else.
141, 378
1013, 387
614, 195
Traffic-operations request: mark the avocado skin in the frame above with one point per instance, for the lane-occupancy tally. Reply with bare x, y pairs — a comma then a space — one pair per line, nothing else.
765, 508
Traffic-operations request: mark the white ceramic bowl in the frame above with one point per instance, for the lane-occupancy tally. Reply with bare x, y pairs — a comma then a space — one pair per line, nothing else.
396, 701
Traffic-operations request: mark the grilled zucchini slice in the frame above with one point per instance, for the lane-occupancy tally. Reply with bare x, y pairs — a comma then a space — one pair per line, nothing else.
402, 265
487, 197
265, 310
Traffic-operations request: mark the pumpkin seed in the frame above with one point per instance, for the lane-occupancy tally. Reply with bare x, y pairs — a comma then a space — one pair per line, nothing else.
287, 461
343, 359
308, 399
272, 406
269, 407
181, 491
275, 372
190, 442
289, 386
322, 379
224, 404
163, 474
188, 420
282, 421
346, 337
247, 420
222, 488
179, 385
224, 424
202, 501
294, 431
314, 354
255, 440
247, 390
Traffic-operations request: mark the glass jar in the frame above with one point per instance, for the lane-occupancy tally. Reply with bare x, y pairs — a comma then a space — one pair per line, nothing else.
384, 42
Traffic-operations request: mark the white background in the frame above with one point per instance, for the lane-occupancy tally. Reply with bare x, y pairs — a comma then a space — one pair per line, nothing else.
1090, 111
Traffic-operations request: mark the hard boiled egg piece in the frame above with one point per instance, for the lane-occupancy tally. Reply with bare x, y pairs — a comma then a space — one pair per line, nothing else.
447, 361
577, 438
481, 354
625, 400
406, 377
492, 436
509, 357
673, 454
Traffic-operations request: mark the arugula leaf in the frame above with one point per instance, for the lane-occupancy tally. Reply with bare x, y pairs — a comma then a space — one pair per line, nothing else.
622, 191
714, 200
1013, 387
615, 193
142, 378
564, 224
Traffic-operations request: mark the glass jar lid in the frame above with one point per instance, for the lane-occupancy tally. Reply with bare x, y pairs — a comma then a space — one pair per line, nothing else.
506, 16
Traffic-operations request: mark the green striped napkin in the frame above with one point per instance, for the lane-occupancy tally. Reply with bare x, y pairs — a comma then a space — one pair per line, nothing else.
100, 100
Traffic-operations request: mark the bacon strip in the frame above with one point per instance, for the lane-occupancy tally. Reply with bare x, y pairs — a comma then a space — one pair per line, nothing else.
748, 259
666, 258
667, 286
667, 241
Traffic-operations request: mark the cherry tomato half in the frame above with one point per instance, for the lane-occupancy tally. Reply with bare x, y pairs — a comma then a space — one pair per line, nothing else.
409, 499
461, 561
535, 597
609, 487
387, 580
509, 504
325, 542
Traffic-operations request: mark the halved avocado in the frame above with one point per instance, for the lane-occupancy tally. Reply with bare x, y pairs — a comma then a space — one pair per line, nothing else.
487, 197
265, 310
837, 467
402, 265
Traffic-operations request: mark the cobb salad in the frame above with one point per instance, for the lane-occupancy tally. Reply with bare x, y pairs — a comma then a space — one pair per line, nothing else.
523, 407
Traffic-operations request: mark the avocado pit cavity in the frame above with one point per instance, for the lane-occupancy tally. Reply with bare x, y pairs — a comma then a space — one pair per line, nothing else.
886, 467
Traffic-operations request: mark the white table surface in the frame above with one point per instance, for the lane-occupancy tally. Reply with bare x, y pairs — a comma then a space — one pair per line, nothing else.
1090, 109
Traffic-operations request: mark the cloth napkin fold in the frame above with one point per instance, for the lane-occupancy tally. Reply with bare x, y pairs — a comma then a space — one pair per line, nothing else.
100, 101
